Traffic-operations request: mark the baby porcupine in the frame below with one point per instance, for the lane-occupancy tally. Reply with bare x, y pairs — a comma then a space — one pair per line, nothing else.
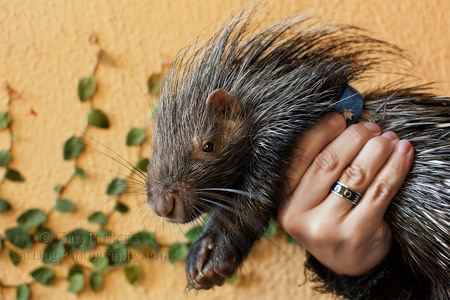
230, 112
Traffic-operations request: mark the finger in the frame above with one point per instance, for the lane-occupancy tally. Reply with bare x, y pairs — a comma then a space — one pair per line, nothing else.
384, 187
307, 148
359, 174
329, 164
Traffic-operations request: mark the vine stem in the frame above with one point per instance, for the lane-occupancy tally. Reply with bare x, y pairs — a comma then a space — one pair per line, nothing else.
12, 95
93, 40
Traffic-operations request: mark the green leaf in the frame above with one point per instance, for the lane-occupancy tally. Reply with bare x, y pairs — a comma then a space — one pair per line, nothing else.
142, 164
133, 272
81, 239
271, 230
116, 187
32, 217
43, 234
97, 218
73, 147
97, 118
117, 254
86, 88
53, 252
100, 264
23, 292
79, 172
154, 84
13, 175
14, 256
58, 189
64, 205
76, 283
5, 119
193, 233
135, 136
76, 268
19, 237
120, 207
103, 232
178, 252
205, 218
143, 240
43, 276
290, 239
95, 281
155, 110
5, 158
234, 280
4, 206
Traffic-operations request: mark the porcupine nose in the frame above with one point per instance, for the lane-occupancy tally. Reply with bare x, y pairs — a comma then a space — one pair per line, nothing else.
165, 205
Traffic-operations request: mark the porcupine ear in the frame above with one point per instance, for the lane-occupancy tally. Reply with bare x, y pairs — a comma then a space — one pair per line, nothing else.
223, 104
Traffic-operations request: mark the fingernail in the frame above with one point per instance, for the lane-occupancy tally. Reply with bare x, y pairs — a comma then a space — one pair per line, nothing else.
404, 147
390, 135
372, 127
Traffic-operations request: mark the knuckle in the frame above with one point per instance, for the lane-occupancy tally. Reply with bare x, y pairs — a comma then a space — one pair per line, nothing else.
382, 191
358, 133
379, 144
355, 175
397, 167
326, 161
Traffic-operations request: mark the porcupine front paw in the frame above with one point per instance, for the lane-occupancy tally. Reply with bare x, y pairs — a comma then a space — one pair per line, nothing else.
209, 263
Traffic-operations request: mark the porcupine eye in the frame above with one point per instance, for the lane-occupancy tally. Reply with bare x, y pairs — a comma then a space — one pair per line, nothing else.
208, 147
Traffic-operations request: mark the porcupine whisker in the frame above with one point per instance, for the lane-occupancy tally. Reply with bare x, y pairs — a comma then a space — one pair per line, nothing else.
196, 220
129, 166
218, 204
125, 163
135, 184
195, 217
136, 189
139, 204
131, 194
143, 218
219, 197
213, 217
135, 181
208, 206
235, 191
133, 190
140, 88
131, 182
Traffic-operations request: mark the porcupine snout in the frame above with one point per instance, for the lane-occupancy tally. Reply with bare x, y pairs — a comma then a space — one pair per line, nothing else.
167, 203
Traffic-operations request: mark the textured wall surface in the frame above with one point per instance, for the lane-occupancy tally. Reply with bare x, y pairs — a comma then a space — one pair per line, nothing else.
44, 50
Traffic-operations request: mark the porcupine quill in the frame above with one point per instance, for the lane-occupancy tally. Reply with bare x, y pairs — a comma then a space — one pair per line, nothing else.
231, 110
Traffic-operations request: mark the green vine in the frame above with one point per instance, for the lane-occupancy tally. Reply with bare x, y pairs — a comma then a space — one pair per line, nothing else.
31, 229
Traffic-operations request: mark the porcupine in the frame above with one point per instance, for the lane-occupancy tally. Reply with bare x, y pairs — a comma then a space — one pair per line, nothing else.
230, 113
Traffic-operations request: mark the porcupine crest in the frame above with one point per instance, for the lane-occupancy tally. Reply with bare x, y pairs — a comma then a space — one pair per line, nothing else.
283, 77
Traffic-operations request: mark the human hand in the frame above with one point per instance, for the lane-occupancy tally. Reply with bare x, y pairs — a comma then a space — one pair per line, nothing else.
345, 238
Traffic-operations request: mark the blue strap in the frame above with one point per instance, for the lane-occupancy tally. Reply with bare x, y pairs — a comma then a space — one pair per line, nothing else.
350, 105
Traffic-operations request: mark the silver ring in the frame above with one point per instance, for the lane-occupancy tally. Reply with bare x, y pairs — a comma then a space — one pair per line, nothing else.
343, 191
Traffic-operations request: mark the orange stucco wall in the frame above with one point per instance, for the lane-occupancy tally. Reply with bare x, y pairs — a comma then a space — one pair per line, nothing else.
44, 50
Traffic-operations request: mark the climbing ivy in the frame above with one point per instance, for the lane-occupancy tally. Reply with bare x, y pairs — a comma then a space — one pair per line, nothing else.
31, 224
